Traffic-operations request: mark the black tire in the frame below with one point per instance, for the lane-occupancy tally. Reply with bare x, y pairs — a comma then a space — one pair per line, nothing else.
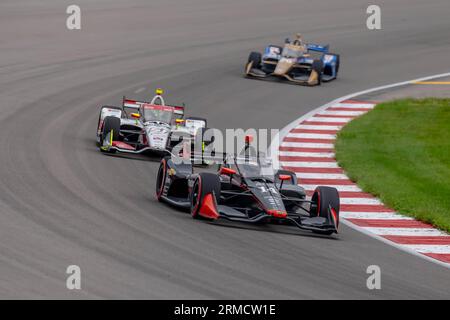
205, 183
318, 67
338, 63
161, 178
256, 58
322, 198
286, 172
110, 124
100, 114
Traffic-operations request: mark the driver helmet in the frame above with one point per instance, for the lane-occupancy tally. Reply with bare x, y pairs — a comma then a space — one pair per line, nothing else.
298, 39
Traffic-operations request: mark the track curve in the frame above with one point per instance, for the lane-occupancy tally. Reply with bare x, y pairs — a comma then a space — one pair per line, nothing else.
63, 203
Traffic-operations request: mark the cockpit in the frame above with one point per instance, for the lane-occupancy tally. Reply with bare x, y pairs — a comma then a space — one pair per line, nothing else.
291, 51
157, 113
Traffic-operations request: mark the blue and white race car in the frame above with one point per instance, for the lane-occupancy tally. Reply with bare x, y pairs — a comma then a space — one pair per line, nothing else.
305, 64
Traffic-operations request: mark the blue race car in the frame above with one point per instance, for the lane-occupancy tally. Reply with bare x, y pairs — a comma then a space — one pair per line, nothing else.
305, 64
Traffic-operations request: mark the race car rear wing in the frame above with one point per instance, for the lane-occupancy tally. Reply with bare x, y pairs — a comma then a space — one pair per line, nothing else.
135, 104
317, 47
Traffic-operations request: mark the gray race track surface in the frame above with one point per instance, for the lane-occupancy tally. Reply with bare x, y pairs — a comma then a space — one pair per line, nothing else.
63, 203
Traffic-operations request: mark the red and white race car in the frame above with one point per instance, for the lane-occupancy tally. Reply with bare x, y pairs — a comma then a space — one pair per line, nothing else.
139, 126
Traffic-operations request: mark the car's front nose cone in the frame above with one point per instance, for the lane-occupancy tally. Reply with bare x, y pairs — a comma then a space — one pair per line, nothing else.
283, 67
157, 137
277, 213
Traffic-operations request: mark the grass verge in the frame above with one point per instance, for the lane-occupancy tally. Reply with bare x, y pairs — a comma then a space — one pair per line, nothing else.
400, 152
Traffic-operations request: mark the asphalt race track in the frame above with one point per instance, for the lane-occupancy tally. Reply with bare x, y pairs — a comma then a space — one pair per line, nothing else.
62, 202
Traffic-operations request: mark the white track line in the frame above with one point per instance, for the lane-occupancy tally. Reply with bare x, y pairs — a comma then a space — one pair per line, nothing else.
362, 201
372, 215
296, 164
404, 231
355, 105
308, 145
330, 119
307, 154
312, 187
325, 120
342, 113
305, 175
317, 127
312, 136
429, 248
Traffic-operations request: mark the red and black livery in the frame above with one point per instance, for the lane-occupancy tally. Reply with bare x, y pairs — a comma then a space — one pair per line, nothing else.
247, 191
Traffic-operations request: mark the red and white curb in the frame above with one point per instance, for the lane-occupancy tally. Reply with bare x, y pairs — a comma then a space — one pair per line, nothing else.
307, 148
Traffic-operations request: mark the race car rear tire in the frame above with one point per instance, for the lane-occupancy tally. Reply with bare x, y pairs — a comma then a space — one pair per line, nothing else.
256, 58
205, 183
322, 199
161, 178
317, 66
110, 124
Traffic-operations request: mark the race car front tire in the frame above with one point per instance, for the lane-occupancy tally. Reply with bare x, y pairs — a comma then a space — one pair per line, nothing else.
322, 199
110, 124
256, 58
99, 119
206, 183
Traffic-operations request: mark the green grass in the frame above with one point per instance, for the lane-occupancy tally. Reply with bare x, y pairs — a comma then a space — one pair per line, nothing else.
400, 152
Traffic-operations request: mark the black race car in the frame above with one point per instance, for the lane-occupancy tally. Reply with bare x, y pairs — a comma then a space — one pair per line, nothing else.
247, 189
